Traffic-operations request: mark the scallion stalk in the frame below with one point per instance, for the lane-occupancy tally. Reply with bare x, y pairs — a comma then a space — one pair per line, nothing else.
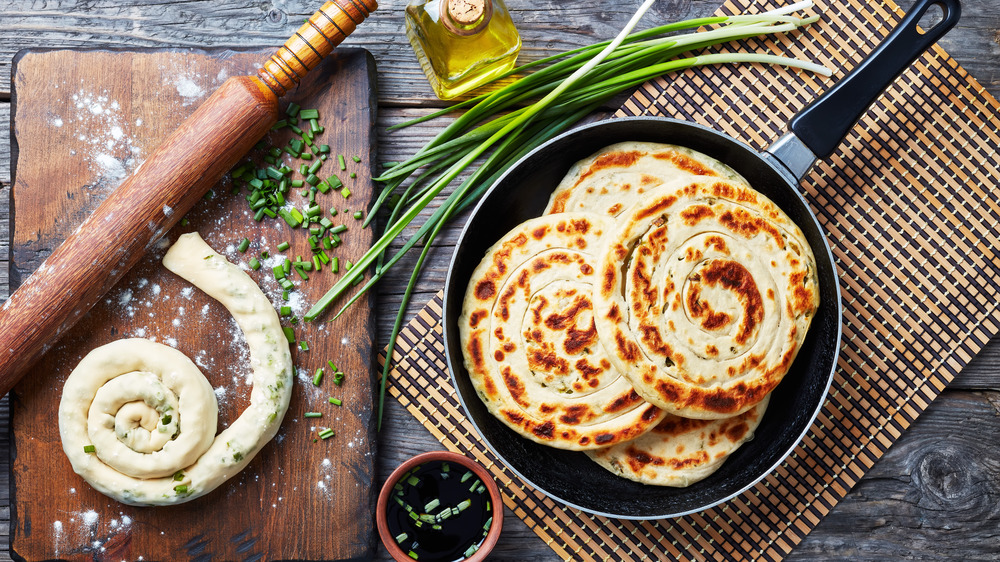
501, 128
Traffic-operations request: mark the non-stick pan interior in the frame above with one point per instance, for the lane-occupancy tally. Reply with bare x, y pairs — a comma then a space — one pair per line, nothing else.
571, 477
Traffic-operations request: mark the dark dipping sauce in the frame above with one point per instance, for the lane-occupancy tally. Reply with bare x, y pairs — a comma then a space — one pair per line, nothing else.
453, 527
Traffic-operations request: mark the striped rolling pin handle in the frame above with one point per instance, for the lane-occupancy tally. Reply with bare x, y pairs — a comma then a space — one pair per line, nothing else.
312, 42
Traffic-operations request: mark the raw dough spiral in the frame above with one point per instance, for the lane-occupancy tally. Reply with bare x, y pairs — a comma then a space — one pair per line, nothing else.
149, 413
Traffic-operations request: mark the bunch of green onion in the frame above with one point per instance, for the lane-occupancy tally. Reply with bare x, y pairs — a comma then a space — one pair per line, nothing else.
498, 129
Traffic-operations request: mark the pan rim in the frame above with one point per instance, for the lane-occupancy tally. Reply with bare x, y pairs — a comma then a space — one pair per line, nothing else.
762, 161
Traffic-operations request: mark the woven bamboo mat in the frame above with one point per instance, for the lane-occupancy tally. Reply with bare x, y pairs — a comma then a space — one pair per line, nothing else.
907, 205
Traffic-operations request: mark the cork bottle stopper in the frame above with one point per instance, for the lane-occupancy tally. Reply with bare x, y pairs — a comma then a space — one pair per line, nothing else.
466, 17
466, 12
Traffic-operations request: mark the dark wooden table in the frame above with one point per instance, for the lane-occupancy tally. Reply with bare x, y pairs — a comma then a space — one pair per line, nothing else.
935, 494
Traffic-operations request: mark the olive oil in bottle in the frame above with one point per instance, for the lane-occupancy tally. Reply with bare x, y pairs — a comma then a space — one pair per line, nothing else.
461, 44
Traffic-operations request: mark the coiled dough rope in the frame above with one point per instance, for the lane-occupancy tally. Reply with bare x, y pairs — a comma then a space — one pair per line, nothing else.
151, 416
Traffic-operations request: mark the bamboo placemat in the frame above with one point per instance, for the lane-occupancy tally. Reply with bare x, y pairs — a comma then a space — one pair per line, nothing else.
906, 202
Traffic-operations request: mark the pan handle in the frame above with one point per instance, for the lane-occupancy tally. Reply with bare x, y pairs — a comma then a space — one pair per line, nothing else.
824, 123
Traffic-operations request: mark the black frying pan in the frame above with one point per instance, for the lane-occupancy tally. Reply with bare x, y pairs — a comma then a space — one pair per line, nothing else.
522, 193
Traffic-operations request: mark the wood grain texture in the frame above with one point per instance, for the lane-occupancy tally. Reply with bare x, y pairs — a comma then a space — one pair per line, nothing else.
298, 484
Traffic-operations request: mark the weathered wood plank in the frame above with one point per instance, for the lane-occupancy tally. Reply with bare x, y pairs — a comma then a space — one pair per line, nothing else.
935, 494
5, 133
547, 26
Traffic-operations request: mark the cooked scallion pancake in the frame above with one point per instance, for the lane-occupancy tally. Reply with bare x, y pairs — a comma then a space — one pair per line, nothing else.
618, 176
706, 292
680, 451
530, 344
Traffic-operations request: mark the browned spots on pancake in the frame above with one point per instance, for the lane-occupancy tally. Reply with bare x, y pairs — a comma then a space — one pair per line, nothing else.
699, 458
592, 383
548, 361
490, 388
657, 208
802, 298
586, 269
509, 347
536, 311
638, 459
734, 277
770, 294
498, 355
614, 159
576, 414
652, 338
540, 232
514, 417
568, 318
622, 402
522, 279
693, 254
685, 163
675, 425
577, 340
710, 319
584, 440
615, 209
627, 350
539, 265
668, 391
604, 438
581, 225
614, 314
476, 317
735, 432
720, 401
734, 193
712, 351
696, 213
546, 408
514, 385
475, 349
503, 300
716, 242
650, 413
648, 180
559, 203
485, 290
748, 226
586, 369
545, 430
498, 332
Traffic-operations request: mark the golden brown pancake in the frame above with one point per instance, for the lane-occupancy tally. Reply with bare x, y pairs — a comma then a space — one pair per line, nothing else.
530, 344
706, 292
618, 176
680, 451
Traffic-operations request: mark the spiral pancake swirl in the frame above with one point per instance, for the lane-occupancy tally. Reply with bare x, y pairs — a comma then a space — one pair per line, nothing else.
530, 343
707, 290
138, 419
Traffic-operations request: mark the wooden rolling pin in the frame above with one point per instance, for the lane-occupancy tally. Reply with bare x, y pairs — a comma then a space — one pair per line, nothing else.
149, 202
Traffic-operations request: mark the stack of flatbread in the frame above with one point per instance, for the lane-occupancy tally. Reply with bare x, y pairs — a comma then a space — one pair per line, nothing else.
645, 318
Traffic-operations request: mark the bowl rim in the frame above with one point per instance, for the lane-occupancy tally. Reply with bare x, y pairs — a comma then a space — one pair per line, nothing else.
764, 162
487, 478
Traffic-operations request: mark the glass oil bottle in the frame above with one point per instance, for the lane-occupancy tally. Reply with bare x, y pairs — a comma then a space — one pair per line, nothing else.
461, 44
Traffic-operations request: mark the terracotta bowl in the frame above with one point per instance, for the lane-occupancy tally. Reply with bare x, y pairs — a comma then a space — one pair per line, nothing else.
491, 487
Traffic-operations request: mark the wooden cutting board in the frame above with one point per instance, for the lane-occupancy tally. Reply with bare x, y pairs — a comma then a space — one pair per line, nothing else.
82, 120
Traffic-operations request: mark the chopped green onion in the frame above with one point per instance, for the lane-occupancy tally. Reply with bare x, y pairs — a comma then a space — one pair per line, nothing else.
341, 162
289, 334
293, 109
254, 264
335, 401
356, 158
318, 377
181, 488
307, 114
89, 449
312, 415
244, 244
326, 433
